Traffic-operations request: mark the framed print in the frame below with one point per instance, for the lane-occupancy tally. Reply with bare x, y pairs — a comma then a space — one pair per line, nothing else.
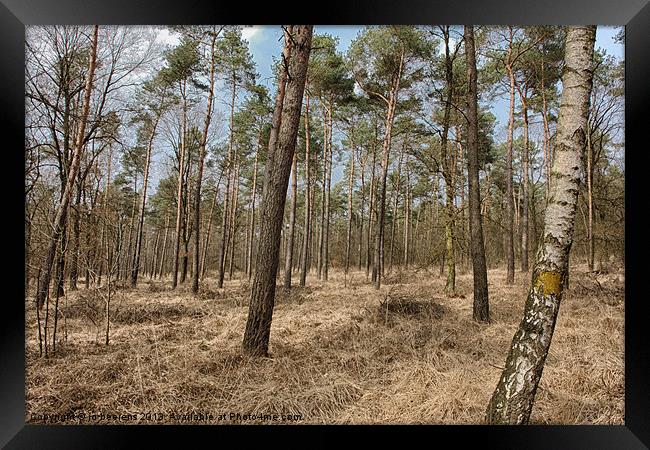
418, 217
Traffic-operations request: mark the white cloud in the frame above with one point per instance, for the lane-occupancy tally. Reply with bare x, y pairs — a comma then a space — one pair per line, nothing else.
249, 32
167, 37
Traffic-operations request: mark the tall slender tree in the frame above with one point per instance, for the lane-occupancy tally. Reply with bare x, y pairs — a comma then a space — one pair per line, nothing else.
155, 97
481, 312
212, 34
308, 204
182, 63
237, 68
278, 167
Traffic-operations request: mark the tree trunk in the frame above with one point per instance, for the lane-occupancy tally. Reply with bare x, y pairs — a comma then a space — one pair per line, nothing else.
251, 223
395, 202
143, 201
199, 174
179, 194
362, 162
187, 230
225, 216
164, 248
307, 227
450, 286
590, 201
62, 210
390, 115
233, 220
512, 401
323, 214
371, 208
407, 216
288, 266
350, 187
206, 245
510, 251
328, 165
481, 312
154, 258
548, 159
278, 167
76, 237
525, 187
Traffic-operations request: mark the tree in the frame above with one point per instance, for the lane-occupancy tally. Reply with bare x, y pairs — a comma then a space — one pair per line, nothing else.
510, 58
288, 266
513, 398
212, 34
448, 162
236, 67
155, 99
308, 204
278, 167
606, 106
382, 61
182, 62
330, 82
481, 312
62, 210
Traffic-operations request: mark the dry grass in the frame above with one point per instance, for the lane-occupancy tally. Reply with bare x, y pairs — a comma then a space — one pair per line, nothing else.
405, 354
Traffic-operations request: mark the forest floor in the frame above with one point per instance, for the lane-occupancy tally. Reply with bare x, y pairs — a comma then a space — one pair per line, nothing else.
404, 354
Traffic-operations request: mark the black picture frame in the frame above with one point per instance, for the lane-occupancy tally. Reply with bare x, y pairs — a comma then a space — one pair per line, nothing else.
634, 14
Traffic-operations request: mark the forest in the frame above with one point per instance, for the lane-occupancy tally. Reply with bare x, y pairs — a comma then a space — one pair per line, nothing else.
306, 224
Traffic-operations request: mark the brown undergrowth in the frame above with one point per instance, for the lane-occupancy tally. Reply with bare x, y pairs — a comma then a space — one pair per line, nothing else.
404, 354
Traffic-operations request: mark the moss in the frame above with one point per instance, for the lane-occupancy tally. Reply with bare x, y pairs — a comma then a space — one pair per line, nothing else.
550, 282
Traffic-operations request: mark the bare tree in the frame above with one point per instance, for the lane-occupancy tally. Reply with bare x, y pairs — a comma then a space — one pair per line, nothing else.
62, 210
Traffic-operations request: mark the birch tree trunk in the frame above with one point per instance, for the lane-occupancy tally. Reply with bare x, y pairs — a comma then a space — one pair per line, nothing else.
512, 401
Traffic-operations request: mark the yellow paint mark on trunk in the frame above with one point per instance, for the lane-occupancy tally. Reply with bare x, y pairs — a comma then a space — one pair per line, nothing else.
550, 282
